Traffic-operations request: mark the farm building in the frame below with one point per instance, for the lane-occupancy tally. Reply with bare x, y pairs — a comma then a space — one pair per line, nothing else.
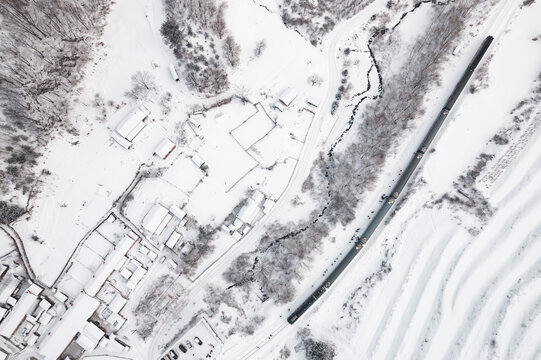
62, 333
111, 263
20, 310
131, 126
165, 148
156, 219
287, 96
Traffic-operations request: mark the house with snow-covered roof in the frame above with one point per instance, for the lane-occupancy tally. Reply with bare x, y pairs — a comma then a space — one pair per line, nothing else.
165, 148
287, 96
156, 219
20, 310
131, 126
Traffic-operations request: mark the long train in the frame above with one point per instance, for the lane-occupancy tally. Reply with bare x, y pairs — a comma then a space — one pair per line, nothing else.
360, 241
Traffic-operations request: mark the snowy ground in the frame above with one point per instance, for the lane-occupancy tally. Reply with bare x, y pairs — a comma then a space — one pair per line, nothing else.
437, 282
426, 287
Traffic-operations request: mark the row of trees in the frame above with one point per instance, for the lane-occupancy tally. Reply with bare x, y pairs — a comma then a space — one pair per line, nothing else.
44, 45
314, 19
193, 29
339, 180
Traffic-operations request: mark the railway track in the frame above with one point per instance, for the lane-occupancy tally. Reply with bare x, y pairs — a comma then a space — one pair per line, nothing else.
361, 240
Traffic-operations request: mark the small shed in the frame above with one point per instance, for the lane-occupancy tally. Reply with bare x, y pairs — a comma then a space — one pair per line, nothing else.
198, 160
287, 96
133, 124
156, 219
173, 240
165, 148
173, 72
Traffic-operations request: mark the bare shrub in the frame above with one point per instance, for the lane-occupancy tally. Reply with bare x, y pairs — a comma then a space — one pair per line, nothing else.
231, 51
143, 85
315, 349
9, 213
260, 46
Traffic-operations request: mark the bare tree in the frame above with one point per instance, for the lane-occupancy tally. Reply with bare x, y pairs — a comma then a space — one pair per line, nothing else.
219, 25
259, 47
231, 51
143, 84
315, 80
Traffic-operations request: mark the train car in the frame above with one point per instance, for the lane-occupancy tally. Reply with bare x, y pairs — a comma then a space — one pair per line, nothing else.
399, 186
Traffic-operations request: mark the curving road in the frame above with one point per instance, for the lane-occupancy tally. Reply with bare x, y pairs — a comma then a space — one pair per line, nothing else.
272, 329
309, 150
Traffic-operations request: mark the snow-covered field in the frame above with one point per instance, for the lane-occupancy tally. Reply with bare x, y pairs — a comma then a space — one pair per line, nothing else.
437, 281
454, 273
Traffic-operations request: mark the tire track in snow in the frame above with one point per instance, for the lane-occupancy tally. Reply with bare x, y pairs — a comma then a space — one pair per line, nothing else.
519, 334
506, 195
433, 322
516, 210
456, 346
495, 329
419, 288
393, 300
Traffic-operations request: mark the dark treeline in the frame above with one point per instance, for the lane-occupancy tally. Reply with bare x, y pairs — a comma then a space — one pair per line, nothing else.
44, 45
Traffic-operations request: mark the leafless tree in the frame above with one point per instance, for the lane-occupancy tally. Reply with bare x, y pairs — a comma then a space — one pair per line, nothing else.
218, 25
315, 80
143, 85
231, 51
259, 47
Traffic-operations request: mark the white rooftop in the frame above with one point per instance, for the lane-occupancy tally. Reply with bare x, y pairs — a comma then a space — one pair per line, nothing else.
117, 303
249, 212
111, 263
90, 336
133, 123
64, 330
14, 318
164, 148
173, 239
177, 211
287, 96
154, 218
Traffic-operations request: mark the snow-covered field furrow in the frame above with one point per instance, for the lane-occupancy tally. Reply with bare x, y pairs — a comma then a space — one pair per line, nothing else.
529, 280
411, 302
432, 323
426, 249
447, 287
456, 291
